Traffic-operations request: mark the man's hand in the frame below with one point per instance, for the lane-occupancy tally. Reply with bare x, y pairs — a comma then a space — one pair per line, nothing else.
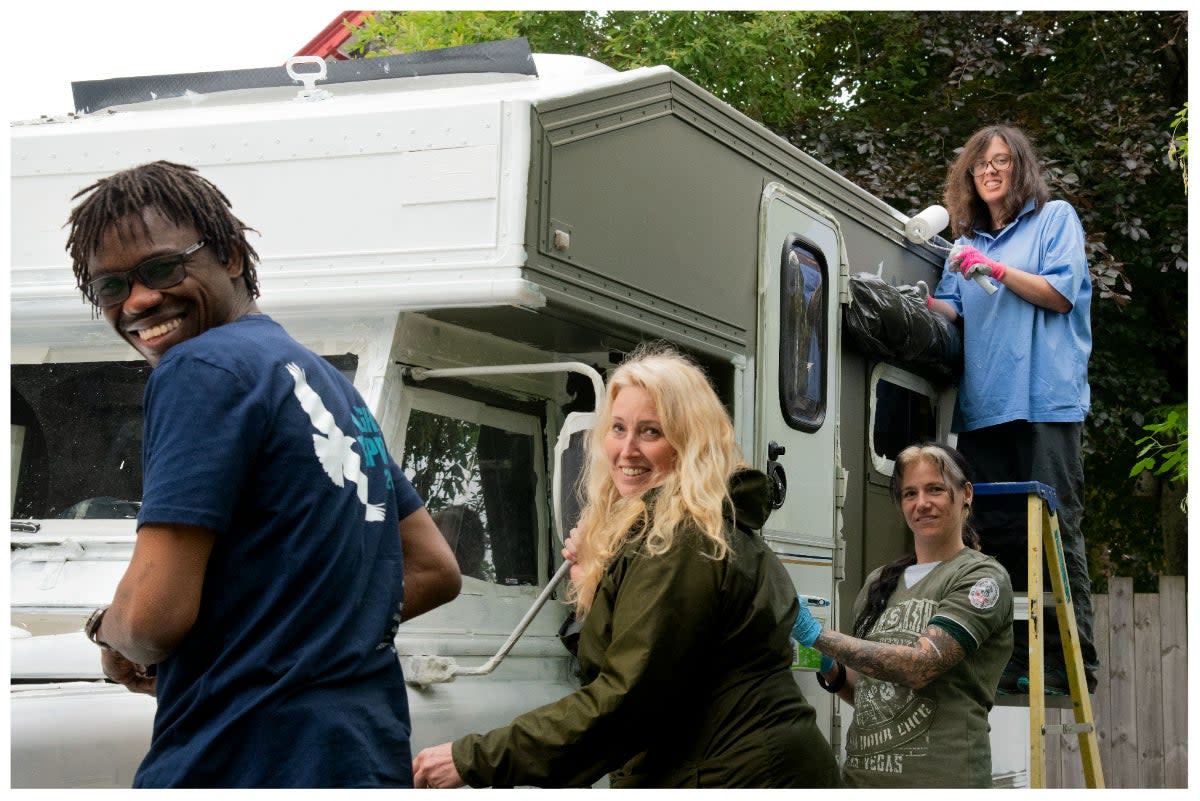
135, 677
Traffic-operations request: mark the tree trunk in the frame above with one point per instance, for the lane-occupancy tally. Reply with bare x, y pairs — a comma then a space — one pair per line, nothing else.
1174, 527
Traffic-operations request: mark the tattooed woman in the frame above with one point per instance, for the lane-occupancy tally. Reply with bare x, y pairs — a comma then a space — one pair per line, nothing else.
932, 633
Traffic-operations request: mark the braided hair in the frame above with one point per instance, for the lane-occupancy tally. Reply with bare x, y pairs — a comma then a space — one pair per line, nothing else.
957, 474
179, 193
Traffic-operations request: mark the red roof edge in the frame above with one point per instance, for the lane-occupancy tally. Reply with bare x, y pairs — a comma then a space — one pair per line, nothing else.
326, 43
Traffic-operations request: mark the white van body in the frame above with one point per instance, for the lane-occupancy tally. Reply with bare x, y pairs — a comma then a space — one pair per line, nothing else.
454, 221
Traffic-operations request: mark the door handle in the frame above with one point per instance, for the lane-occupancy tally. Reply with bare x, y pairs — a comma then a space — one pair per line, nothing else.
776, 475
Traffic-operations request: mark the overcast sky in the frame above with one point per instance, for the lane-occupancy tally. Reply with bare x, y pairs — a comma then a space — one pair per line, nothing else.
51, 44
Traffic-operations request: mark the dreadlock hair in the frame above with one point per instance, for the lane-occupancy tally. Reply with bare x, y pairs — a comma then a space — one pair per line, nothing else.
957, 474
179, 193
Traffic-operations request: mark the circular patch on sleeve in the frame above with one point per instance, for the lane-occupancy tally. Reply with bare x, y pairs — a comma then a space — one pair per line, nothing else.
984, 594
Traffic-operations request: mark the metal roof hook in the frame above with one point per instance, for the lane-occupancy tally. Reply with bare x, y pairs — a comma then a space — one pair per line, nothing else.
309, 79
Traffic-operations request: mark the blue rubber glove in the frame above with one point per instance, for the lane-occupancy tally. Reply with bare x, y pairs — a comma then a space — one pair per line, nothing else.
807, 628
827, 663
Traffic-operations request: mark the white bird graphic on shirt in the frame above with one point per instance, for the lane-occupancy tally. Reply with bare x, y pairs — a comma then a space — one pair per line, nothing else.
334, 449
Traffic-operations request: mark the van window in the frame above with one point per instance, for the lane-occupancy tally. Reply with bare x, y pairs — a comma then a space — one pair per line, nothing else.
479, 470
77, 438
904, 412
803, 349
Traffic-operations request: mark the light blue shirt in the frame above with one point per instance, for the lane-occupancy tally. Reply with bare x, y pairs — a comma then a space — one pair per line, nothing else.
1020, 361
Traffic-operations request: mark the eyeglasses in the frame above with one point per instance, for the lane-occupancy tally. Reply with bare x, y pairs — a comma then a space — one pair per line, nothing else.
161, 272
999, 163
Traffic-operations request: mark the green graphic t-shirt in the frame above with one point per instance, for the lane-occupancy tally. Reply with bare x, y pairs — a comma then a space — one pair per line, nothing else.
936, 736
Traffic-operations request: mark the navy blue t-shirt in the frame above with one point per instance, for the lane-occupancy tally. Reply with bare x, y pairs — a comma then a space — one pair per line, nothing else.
289, 677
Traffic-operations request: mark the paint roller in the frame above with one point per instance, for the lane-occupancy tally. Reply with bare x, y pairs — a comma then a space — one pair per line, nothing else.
922, 228
424, 670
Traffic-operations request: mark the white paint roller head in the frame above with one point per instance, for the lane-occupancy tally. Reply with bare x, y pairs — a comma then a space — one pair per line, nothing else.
424, 670
927, 224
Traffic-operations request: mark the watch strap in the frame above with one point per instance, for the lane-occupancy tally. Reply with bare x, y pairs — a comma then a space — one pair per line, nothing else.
93, 626
837, 683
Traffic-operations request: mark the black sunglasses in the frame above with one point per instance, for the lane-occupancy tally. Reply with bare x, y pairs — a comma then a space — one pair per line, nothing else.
161, 272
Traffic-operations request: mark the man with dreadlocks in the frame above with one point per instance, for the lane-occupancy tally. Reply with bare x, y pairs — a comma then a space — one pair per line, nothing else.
275, 555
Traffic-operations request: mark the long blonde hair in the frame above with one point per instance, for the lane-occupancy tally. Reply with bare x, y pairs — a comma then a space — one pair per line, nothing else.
695, 493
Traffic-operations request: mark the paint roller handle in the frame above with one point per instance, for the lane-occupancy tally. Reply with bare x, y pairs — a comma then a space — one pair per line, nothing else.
974, 265
563, 571
985, 284
425, 670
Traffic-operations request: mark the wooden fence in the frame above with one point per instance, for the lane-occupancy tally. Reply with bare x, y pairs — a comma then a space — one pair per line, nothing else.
1141, 700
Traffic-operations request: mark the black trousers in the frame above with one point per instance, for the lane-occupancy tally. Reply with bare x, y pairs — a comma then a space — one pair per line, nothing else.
1049, 453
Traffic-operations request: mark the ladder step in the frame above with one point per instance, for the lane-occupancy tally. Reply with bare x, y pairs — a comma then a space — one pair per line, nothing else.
1021, 605
1065, 729
1051, 702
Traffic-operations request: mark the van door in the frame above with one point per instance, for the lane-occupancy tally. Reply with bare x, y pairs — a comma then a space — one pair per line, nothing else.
800, 259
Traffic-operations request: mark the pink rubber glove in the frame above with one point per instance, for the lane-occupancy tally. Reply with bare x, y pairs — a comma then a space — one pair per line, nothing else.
970, 262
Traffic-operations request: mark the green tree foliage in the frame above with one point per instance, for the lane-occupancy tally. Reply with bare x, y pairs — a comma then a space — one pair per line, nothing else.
886, 98
1179, 143
751, 60
1166, 441
441, 454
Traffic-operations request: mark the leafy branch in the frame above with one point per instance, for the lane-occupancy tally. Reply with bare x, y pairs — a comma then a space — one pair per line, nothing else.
1164, 450
1179, 144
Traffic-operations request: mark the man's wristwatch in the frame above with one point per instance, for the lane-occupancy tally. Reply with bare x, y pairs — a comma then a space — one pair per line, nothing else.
93, 625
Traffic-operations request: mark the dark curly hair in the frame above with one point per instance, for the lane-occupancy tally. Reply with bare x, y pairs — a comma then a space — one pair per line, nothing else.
968, 212
957, 473
179, 193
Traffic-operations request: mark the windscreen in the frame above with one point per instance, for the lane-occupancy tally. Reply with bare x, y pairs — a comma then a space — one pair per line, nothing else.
76, 438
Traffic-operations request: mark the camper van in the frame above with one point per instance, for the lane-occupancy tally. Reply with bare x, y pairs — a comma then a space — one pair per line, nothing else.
475, 238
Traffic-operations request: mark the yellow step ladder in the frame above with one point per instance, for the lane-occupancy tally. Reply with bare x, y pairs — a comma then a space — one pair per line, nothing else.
1042, 504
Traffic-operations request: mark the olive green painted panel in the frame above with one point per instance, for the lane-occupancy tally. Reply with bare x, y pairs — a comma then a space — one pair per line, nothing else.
643, 211
663, 217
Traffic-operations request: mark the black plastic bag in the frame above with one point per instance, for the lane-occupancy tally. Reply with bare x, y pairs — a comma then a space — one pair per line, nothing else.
893, 324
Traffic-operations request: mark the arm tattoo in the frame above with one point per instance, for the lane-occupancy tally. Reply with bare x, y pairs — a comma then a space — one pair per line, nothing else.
933, 645
934, 652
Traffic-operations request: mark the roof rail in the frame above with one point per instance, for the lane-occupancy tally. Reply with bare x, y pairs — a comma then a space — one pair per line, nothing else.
507, 56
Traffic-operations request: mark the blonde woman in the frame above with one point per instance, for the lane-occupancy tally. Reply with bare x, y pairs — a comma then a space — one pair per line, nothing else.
686, 616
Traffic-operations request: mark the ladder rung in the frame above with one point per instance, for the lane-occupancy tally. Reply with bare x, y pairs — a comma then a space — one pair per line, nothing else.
1067, 728
1021, 605
1050, 701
